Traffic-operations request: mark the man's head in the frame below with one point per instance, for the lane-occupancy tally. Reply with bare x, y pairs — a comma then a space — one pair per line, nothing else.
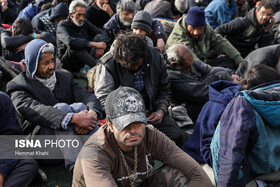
195, 22
22, 26
264, 12
130, 50
259, 74
60, 12
77, 12
180, 57
126, 11
142, 23
39, 59
125, 111
100, 3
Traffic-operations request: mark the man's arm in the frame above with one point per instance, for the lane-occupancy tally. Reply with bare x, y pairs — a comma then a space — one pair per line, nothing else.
10, 42
233, 27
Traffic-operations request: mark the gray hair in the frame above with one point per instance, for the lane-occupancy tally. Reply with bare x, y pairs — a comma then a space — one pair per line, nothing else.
175, 53
48, 48
76, 3
128, 5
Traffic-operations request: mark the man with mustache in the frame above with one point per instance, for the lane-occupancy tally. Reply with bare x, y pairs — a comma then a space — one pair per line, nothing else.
199, 37
77, 44
49, 101
135, 64
245, 33
122, 152
122, 21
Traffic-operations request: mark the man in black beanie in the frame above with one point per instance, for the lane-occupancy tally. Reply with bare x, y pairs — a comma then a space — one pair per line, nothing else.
192, 31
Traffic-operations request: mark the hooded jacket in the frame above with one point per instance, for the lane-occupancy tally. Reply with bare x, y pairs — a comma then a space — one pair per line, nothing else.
198, 145
209, 40
44, 21
249, 135
244, 34
35, 102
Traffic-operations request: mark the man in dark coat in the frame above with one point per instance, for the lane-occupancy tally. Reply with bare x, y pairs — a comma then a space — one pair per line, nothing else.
49, 101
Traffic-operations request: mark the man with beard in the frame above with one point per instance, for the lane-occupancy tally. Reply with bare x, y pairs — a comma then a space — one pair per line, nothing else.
199, 37
76, 39
122, 21
245, 33
49, 102
133, 63
122, 153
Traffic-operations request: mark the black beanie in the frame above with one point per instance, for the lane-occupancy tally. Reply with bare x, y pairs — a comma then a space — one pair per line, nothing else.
195, 17
142, 20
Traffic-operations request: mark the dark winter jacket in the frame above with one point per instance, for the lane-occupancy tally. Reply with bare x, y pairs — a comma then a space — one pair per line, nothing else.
35, 102
244, 33
110, 75
97, 16
44, 21
8, 126
198, 145
266, 55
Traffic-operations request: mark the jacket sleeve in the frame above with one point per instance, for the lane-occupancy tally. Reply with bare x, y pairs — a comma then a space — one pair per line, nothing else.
104, 83
64, 35
174, 157
10, 42
158, 29
237, 124
231, 27
163, 93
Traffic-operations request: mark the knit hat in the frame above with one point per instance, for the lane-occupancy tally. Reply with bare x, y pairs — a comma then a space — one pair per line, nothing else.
125, 106
195, 17
142, 20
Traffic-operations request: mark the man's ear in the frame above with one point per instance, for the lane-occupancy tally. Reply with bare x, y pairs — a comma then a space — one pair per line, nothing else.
70, 15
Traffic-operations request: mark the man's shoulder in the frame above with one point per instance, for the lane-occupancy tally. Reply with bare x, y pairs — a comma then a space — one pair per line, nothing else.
113, 22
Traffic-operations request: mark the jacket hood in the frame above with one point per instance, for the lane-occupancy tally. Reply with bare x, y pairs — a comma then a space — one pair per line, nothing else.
221, 91
265, 99
32, 54
252, 17
60, 10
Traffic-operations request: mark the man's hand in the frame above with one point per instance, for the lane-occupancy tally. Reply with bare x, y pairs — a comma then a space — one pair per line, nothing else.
269, 25
80, 130
4, 4
99, 53
236, 79
156, 117
108, 9
160, 45
84, 120
2, 178
98, 45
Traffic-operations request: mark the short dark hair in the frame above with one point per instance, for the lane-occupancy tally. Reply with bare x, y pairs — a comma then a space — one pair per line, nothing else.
22, 26
259, 74
268, 4
129, 48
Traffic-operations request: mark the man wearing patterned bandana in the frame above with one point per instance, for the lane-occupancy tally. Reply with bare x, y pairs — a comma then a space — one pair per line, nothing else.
122, 152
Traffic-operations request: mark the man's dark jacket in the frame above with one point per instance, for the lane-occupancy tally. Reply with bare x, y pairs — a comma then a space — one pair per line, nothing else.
34, 101
245, 33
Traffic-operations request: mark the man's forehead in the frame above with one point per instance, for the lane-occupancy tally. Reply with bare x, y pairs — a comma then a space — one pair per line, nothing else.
80, 9
128, 11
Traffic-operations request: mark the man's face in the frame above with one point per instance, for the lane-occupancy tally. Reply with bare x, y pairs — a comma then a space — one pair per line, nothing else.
188, 61
130, 136
195, 32
100, 3
46, 66
79, 16
126, 17
135, 66
139, 31
264, 15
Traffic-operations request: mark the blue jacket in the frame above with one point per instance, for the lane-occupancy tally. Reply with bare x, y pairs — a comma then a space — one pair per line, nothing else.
198, 145
249, 136
8, 126
219, 12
